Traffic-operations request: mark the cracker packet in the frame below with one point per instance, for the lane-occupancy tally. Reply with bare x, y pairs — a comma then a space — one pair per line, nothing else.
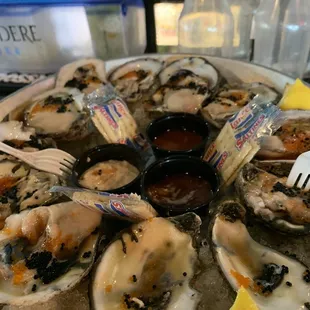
112, 118
239, 140
128, 207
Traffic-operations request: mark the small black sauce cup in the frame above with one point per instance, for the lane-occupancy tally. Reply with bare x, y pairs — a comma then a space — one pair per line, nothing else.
176, 165
107, 152
177, 121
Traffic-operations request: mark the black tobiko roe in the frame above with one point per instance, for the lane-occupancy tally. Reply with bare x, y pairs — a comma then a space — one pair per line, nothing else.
48, 268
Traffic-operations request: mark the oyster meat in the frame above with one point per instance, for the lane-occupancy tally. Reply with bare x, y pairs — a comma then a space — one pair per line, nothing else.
263, 189
22, 187
86, 75
273, 280
60, 114
15, 130
291, 140
177, 99
46, 251
184, 85
133, 79
231, 98
33, 190
150, 266
15, 134
11, 172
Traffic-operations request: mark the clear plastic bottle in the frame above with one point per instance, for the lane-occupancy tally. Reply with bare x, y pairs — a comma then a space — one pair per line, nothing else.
206, 27
282, 35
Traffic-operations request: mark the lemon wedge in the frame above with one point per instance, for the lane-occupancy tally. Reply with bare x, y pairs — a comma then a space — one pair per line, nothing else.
244, 301
296, 97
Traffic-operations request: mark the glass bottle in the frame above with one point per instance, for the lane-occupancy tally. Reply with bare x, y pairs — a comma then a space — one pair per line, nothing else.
206, 27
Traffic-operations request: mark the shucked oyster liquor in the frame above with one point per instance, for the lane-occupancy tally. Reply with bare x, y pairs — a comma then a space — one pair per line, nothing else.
273, 280
85, 75
262, 186
149, 267
46, 251
184, 85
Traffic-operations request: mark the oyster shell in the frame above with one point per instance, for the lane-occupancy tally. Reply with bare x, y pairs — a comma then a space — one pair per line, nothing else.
149, 266
231, 98
134, 78
22, 187
184, 85
85, 75
291, 140
273, 280
191, 70
262, 186
46, 251
59, 114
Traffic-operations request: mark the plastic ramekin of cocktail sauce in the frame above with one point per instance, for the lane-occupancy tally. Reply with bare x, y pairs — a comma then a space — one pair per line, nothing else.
179, 184
178, 134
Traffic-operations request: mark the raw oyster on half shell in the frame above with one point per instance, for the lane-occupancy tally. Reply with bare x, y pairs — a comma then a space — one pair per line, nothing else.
46, 251
291, 140
184, 85
150, 266
86, 75
231, 98
273, 280
135, 78
262, 186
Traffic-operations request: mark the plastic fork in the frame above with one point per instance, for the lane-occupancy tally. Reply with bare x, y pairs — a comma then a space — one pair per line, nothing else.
300, 173
50, 160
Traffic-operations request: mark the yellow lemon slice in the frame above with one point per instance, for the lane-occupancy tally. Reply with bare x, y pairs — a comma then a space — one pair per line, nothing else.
244, 301
296, 97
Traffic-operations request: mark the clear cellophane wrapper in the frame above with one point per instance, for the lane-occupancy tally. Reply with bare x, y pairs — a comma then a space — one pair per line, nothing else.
239, 140
125, 206
113, 119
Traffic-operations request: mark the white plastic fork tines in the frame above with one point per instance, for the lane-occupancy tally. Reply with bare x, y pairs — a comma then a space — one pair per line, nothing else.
50, 160
300, 173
